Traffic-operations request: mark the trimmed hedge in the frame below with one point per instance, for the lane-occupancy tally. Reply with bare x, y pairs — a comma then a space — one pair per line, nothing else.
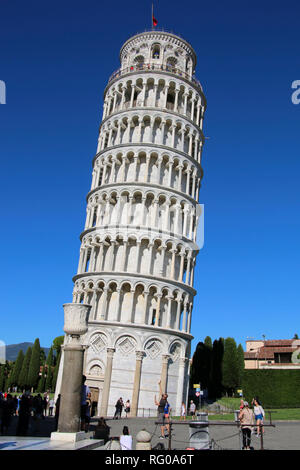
275, 388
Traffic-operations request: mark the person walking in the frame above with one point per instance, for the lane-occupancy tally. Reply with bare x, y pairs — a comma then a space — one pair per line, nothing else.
23, 416
126, 439
246, 418
259, 415
85, 396
183, 411
7, 412
127, 408
57, 406
119, 407
192, 409
51, 406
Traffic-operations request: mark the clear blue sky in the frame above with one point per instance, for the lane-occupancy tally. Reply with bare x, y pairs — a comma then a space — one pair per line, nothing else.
55, 59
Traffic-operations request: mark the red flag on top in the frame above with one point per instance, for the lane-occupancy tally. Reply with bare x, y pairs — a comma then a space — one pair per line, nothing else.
154, 20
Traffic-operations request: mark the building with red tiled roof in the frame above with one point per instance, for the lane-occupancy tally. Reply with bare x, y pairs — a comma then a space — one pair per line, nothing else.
281, 353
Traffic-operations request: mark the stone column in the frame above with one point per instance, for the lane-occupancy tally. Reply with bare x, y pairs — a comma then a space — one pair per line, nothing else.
159, 296
136, 383
146, 294
169, 311
132, 96
69, 414
107, 380
75, 325
164, 372
180, 383
173, 251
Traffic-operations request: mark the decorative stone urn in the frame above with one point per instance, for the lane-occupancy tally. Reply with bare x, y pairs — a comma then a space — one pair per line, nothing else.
76, 319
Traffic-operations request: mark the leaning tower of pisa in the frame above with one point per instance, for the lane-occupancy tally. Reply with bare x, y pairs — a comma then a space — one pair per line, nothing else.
138, 247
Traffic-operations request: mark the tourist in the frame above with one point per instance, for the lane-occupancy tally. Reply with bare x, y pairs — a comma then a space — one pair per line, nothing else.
7, 412
119, 407
259, 415
85, 395
87, 414
102, 430
161, 410
246, 418
182, 411
126, 439
127, 408
51, 406
24, 415
45, 403
57, 406
167, 410
192, 409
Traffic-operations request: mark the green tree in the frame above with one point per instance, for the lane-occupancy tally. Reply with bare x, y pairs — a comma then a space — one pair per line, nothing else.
42, 381
23, 377
216, 388
230, 368
57, 344
201, 364
2, 377
241, 364
55, 373
49, 379
14, 379
34, 366
49, 361
49, 367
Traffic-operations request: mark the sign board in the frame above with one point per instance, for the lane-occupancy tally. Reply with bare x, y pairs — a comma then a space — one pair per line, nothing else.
197, 394
196, 385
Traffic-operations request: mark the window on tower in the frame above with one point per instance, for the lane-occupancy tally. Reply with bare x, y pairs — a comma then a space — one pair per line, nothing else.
156, 51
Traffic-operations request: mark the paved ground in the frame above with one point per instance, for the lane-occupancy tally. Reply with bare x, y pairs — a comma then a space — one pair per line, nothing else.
284, 436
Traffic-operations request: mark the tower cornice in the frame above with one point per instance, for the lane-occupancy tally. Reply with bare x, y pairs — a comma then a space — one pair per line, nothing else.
156, 36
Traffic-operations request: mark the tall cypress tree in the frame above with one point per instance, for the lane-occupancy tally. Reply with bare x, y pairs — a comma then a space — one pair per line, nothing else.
241, 364
14, 379
42, 380
49, 364
200, 370
34, 366
2, 377
57, 344
55, 373
230, 366
216, 388
22, 380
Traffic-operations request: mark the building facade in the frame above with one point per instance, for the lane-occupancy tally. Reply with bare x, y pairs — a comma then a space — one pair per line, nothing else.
272, 354
139, 244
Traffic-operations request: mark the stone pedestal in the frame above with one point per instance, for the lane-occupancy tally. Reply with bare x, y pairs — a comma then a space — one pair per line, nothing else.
70, 401
143, 440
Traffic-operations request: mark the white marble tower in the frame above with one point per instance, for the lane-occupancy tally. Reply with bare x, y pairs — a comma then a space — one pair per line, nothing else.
138, 248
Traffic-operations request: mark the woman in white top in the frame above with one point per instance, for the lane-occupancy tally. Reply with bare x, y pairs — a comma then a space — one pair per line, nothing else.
183, 411
259, 415
126, 439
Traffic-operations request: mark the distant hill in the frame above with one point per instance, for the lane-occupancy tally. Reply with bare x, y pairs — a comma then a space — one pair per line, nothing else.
12, 350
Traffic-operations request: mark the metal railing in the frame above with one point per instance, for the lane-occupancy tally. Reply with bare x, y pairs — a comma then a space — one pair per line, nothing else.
155, 67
